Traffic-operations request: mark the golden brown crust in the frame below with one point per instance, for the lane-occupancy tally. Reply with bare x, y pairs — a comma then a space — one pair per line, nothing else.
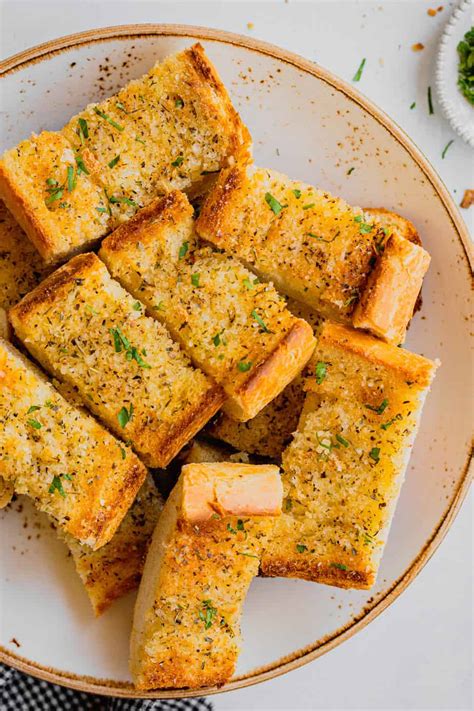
272, 376
394, 223
51, 288
388, 300
24, 214
406, 365
240, 138
116, 568
317, 571
6, 492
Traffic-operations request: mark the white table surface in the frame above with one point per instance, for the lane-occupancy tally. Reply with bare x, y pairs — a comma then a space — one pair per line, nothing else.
418, 653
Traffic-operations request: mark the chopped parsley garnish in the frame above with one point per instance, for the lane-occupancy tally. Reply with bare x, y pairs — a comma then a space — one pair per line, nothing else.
321, 239
116, 200
137, 306
248, 555
178, 102
275, 206
244, 366
249, 284
430, 102
260, 321
140, 140
388, 424
375, 454
121, 107
159, 306
383, 405
339, 566
183, 250
82, 129
309, 206
350, 170
57, 485
207, 613
240, 526
297, 193
364, 227
320, 371
107, 118
446, 148
123, 452
131, 353
35, 424
81, 168
412, 106
101, 210
195, 279
466, 65
301, 548
124, 416
358, 73
71, 178
342, 441
179, 161
114, 161
33, 408
217, 340
54, 189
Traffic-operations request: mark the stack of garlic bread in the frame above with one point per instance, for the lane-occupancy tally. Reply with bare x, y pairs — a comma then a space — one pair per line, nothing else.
247, 354
169, 129
316, 248
235, 328
88, 331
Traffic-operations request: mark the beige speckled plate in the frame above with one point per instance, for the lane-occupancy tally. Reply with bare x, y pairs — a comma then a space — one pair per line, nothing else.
313, 126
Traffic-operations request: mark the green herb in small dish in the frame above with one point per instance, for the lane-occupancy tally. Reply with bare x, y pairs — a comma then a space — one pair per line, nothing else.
466, 65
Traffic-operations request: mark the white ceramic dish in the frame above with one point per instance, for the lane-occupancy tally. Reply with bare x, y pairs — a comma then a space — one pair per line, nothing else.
455, 106
313, 126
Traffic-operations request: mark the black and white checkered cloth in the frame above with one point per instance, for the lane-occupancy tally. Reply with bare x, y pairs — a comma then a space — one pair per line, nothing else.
20, 692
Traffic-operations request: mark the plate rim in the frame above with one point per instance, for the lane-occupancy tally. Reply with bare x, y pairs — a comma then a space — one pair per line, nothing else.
46, 50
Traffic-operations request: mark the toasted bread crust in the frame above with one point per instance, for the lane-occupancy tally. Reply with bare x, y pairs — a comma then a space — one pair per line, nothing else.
266, 382
20, 207
78, 461
343, 471
403, 364
388, 300
394, 223
21, 266
197, 572
54, 318
239, 135
6, 492
216, 321
115, 569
